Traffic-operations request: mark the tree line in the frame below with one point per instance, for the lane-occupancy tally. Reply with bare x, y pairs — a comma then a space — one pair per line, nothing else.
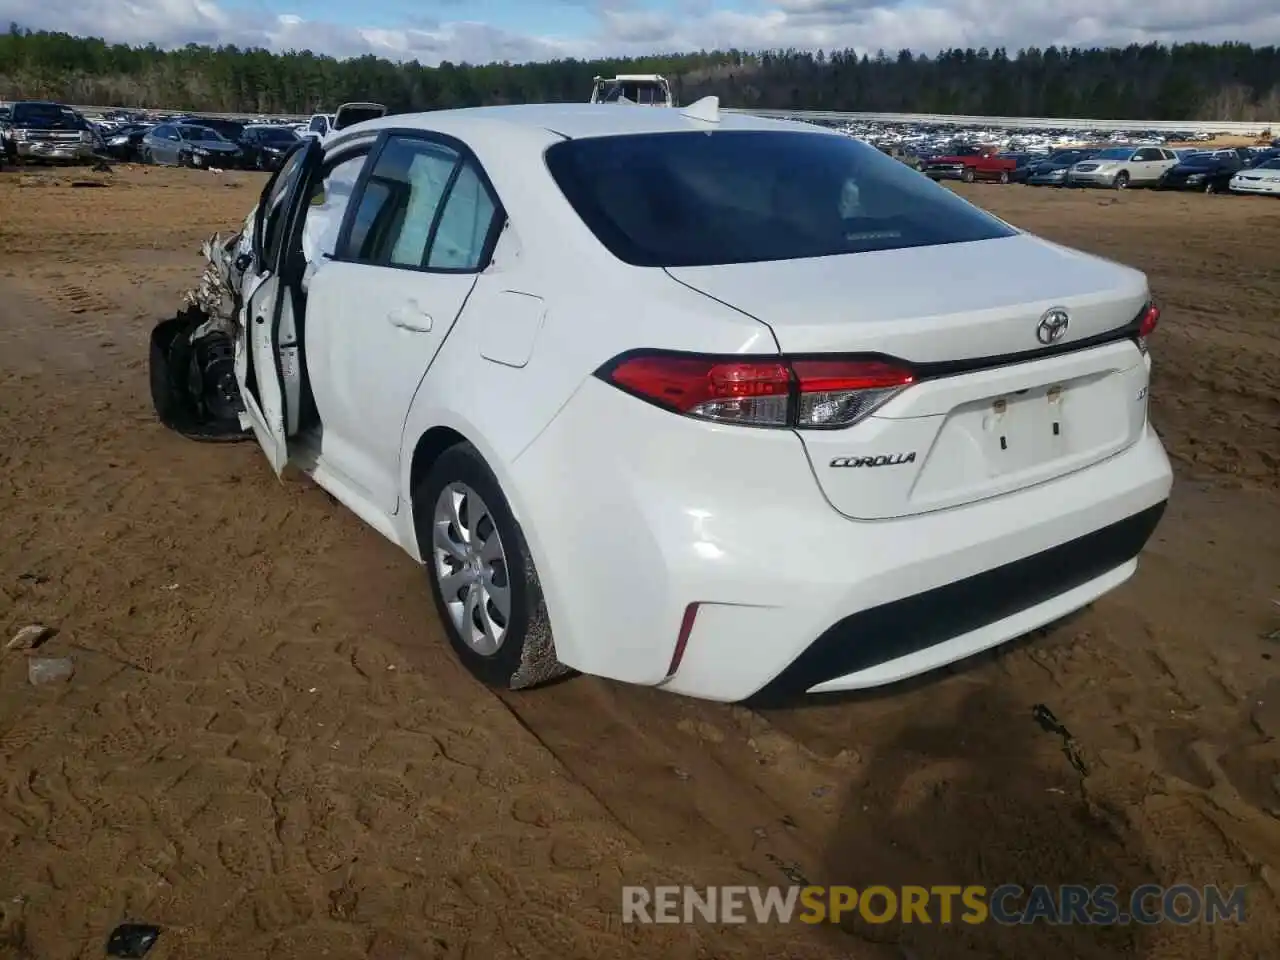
1197, 81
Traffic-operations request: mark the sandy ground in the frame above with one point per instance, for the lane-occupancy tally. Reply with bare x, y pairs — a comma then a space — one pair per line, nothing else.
268, 750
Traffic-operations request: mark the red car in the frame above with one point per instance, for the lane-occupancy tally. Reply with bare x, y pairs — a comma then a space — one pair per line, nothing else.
970, 164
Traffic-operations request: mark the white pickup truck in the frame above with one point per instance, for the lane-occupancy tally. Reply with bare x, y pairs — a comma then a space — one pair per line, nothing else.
324, 124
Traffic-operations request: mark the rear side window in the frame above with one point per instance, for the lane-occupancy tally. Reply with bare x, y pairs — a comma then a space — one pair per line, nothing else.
697, 199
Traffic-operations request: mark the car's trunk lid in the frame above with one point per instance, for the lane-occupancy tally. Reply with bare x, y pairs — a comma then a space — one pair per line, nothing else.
992, 412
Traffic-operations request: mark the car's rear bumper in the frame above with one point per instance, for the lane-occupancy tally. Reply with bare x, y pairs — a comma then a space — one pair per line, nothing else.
660, 512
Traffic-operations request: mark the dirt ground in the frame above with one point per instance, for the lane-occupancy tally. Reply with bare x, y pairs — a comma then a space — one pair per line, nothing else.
268, 750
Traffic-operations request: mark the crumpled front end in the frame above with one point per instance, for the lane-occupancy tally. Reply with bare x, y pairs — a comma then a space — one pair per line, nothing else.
193, 382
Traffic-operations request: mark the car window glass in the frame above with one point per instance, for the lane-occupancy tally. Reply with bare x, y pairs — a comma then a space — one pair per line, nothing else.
464, 224
275, 208
317, 125
328, 206
398, 206
689, 199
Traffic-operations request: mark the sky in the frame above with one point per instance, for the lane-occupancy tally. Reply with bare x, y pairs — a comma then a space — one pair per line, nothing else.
481, 31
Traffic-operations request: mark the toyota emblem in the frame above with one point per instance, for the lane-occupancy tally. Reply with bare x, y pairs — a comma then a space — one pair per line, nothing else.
1053, 326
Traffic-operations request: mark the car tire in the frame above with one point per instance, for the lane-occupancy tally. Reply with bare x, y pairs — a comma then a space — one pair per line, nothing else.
968, 176
170, 363
1004, 176
1121, 181
460, 490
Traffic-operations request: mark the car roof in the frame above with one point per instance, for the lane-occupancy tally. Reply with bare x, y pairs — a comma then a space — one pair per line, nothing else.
577, 120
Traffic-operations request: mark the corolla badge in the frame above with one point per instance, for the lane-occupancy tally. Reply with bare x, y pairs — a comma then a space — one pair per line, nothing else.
1053, 325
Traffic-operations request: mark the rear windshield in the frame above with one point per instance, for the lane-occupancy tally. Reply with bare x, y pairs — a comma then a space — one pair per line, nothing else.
49, 116
742, 196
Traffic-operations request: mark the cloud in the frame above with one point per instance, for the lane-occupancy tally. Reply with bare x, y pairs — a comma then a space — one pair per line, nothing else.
625, 27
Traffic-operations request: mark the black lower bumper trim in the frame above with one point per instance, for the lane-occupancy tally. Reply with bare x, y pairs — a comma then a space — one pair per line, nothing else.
892, 630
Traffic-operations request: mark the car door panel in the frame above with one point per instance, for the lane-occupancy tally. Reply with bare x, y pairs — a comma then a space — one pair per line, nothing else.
372, 334
417, 232
268, 361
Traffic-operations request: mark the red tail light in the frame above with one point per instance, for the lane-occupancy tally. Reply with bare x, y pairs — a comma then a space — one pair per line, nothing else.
760, 391
1149, 321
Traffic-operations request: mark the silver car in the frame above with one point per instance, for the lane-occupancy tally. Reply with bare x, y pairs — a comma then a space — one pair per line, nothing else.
1120, 167
189, 145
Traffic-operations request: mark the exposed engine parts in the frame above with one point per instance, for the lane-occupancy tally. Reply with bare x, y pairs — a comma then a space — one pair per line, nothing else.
193, 378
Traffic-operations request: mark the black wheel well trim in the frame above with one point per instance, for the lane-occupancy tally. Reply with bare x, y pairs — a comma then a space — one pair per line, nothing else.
429, 448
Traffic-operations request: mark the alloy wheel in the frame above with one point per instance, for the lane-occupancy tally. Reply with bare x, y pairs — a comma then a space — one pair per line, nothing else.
470, 567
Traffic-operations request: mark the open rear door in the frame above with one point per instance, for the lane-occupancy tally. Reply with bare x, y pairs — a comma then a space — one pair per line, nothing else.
268, 359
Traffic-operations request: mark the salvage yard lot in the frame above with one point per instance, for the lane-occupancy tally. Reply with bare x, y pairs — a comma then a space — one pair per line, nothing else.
268, 749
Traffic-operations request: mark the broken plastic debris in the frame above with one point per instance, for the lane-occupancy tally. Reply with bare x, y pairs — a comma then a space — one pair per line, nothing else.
29, 637
132, 940
50, 670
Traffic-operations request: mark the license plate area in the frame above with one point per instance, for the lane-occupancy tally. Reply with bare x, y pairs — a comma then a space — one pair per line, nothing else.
1026, 428
998, 444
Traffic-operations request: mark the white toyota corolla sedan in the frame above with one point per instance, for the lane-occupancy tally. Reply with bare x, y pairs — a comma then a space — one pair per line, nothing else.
720, 404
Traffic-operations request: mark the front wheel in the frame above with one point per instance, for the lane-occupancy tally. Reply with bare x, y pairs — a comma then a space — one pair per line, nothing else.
968, 175
483, 578
1004, 176
1121, 181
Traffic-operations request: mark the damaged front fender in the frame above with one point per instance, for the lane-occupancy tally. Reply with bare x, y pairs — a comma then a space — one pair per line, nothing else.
192, 358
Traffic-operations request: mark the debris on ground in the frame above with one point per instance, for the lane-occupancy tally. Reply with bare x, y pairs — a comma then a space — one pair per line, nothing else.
1051, 724
132, 940
1265, 711
30, 637
44, 670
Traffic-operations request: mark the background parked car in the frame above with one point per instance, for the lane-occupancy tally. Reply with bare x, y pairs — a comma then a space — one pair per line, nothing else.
1120, 167
1206, 172
1264, 178
230, 130
187, 145
903, 155
970, 163
264, 145
41, 131
125, 143
1052, 170
1023, 163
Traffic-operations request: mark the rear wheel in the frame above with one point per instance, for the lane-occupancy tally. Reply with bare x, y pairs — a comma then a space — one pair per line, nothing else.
483, 578
1004, 176
968, 175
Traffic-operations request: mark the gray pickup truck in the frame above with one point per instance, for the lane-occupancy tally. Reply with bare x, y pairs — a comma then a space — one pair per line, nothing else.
39, 130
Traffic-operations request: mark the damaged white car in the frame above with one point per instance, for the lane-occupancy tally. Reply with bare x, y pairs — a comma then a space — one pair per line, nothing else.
720, 404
